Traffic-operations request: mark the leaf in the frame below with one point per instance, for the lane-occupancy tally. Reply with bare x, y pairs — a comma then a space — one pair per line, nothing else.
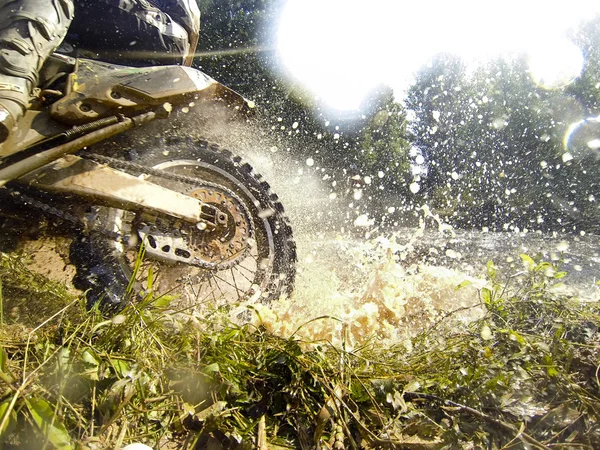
121, 367
212, 410
64, 359
11, 421
188, 410
211, 368
90, 358
491, 270
562, 416
486, 295
49, 423
527, 261
150, 279
91, 363
397, 401
464, 284
4, 372
164, 301
3, 360
413, 386
513, 335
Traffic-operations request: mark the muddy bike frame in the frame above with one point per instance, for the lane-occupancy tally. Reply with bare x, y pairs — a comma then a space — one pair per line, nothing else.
97, 101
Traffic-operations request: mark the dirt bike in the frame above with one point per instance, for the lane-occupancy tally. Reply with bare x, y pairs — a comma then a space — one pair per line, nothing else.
180, 211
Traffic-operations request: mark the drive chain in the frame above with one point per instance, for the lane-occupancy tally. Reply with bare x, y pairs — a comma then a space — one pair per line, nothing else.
134, 167
118, 164
60, 214
130, 167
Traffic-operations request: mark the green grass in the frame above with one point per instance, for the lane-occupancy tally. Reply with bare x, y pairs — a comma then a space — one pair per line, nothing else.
524, 376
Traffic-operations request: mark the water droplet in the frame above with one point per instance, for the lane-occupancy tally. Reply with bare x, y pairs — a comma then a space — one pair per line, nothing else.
453, 254
566, 157
486, 333
265, 213
363, 221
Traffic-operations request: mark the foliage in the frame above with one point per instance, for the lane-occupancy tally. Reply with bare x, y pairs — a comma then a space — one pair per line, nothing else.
525, 374
496, 145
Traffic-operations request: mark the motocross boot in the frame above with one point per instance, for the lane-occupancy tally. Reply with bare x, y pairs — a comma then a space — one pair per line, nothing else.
30, 30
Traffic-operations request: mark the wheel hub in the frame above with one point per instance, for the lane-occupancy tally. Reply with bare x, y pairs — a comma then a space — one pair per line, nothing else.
179, 242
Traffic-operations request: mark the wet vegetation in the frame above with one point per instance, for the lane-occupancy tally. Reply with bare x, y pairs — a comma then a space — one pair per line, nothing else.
525, 375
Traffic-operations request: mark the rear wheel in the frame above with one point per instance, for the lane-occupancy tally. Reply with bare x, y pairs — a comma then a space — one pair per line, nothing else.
251, 258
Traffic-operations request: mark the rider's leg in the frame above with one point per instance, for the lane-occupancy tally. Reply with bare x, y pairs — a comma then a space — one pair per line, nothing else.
30, 30
138, 34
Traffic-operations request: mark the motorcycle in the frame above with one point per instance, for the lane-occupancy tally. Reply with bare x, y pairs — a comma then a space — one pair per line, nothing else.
180, 211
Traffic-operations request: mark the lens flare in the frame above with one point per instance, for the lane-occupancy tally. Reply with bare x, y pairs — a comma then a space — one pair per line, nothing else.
583, 138
555, 64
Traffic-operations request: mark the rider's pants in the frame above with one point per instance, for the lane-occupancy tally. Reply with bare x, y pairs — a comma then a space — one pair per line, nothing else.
30, 30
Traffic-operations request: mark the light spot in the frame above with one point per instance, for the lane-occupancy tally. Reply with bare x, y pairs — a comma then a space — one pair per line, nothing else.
486, 333
363, 221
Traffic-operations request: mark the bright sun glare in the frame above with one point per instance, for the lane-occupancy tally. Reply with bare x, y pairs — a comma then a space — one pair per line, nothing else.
342, 49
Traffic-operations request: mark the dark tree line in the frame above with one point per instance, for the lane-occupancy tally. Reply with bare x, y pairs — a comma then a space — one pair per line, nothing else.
490, 143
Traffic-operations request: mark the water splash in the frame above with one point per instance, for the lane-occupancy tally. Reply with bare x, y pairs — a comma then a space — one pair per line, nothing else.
351, 291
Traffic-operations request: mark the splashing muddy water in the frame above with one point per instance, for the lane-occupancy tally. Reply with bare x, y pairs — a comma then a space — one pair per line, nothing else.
355, 283
392, 288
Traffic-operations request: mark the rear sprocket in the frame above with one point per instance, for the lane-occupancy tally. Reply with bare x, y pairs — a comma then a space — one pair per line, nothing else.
250, 259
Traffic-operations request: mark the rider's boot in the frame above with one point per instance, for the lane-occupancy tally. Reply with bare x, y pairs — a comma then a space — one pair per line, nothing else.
30, 30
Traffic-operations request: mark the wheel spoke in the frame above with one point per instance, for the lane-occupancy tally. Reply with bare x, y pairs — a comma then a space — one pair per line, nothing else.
224, 281
215, 179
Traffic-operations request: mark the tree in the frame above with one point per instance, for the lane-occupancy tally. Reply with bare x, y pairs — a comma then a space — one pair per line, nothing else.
492, 141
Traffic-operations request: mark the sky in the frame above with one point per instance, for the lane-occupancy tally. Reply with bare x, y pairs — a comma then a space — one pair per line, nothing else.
339, 50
